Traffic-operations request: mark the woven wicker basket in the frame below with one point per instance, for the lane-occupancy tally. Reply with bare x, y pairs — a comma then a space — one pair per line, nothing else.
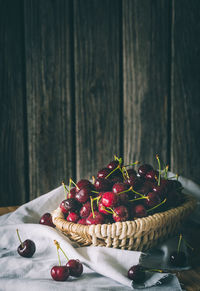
139, 235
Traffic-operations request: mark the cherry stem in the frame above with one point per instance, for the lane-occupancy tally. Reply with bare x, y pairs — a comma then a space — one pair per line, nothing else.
19, 238
137, 192
74, 184
91, 202
166, 171
93, 179
159, 166
123, 173
95, 191
157, 205
126, 173
154, 270
124, 191
136, 163
179, 243
112, 211
118, 159
57, 248
177, 176
70, 184
65, 190
138, 199
64, 254
187, 244
112, 171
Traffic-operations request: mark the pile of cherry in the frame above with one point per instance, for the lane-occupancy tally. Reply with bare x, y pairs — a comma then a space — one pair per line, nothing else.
119, 193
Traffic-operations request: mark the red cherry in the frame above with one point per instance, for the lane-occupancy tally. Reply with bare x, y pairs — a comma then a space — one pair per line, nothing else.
73, 217
144, 169
131, 172
119, 187
109, 199
152, 175
120, 213
113, 165
70, 204
152, 200
102, 184
27, 248
98, 219
82, 221
103, 173
46, 219
137, 274
102, 209
83, 195
134, 181
83, 183
139, 211
60, 273
75, 268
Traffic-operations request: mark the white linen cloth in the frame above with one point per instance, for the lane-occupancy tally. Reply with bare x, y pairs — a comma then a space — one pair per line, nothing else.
104, 268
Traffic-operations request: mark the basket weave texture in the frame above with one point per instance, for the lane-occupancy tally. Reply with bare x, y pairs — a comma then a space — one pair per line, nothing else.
139, 234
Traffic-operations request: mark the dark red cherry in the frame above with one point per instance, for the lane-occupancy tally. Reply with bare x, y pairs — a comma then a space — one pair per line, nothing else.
113, 165
103, 173
75, 268
82, 184
178, 259
46, 219
134, 181
131, 172
137, 274
144, 169
102, 184
73, 217
119, 187
26, 249
83, 195
82, 221
72, 193
152, 175
60, 273
70, 204
98, 219
138, 211
85, 210
123, 198
109, 199
152, 200
116, 179
120, 213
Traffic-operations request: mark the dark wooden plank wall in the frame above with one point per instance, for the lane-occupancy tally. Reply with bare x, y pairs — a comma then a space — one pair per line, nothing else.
83, 80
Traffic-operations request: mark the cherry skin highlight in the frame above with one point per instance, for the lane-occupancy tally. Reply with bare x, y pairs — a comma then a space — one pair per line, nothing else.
109, 199
73, 217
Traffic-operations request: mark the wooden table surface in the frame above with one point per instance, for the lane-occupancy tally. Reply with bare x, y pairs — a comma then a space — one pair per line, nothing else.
190, 279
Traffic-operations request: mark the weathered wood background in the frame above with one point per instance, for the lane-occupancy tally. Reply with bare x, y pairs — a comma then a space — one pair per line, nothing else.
83, 80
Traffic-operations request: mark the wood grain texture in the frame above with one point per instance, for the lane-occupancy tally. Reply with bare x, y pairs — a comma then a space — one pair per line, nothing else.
13, 178
49, 93
185, 143
97, 83
146, 45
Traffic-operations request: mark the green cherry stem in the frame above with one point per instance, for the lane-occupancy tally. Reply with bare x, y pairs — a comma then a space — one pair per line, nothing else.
135, 163
65, 190
137, 193
138, 199
179, 243
70, 184
74, 184
166, 171
94, 191
57, 248
125, 191
91, 202
187, 244
154, 270
157, 205
93, 179
17, 230
159, 166
112, 171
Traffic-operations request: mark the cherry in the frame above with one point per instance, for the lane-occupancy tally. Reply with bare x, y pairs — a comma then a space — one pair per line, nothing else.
75, 268
82, 183
178, 259
46, 219
139, 211
113, 165
60, 273
103, 173
83, 195
119, 187
137, 274
120, 213
109, 199
98, 219
102, 209
72, 193
102, 184
73, 217
152, 175
152, 200
116, 179
82, 221
85, 210
70, 204
144, 169
134, 181
27, 248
